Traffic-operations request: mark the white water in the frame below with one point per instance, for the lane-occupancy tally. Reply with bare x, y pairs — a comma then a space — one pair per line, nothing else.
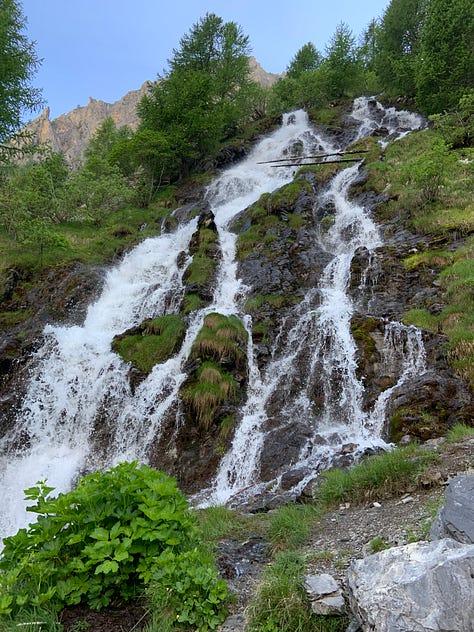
79, 386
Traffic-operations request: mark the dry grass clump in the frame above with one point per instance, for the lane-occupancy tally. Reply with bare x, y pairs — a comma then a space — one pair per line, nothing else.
222, 339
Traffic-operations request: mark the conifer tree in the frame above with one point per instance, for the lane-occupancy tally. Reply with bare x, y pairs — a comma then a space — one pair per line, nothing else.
18, 64
446, 64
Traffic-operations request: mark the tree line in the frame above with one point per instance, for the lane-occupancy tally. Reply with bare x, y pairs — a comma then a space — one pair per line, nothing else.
419, 49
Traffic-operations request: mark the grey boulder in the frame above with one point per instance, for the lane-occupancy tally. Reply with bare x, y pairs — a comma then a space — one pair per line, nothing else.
456, 518
420, 587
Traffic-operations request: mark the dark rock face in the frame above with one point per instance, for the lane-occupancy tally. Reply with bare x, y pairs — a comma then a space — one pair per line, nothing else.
61, 296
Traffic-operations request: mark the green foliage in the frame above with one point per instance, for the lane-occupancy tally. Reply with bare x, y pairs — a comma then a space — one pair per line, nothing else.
186, 590
376, 477
18, 63
98, 542
39, 235
445, 66
307, 58
459, 432
342, 64
398, 43
35, 190
105, 139
290, 526
96, 191
156, 341
205, 97
281, 601
457, 126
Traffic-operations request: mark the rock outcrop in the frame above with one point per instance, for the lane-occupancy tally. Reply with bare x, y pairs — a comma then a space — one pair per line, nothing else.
456, 518
423, 586
69, 134
419, 587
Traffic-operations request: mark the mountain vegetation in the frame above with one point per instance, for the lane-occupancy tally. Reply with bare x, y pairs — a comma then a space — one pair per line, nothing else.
139, 538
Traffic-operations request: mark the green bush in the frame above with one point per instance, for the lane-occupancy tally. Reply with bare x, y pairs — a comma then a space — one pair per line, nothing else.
185, 588
106, 540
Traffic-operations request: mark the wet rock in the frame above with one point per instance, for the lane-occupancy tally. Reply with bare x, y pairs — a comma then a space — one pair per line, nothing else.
427, 405
291, 478
282, 448
414, 588
456, 518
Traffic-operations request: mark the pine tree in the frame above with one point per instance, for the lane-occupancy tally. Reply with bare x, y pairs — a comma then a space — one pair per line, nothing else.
398, 41
446, 67
18, 64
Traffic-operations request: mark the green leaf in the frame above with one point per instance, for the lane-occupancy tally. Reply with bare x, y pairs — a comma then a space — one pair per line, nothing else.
109, 566
100, 534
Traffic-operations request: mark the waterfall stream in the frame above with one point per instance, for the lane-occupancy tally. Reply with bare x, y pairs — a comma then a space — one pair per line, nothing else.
78, 384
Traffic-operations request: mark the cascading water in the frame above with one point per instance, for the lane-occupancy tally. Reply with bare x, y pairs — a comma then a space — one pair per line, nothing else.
79, 386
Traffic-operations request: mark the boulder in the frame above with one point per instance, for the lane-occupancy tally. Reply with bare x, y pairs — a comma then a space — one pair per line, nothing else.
324, 594
419, 587
456, 519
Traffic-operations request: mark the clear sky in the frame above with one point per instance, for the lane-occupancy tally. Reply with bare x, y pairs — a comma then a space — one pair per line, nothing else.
104, 48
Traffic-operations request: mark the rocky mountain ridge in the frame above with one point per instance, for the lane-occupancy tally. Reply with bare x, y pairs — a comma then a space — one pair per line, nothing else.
70, 133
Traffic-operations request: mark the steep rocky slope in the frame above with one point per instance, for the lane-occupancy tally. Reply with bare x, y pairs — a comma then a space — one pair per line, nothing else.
279, 261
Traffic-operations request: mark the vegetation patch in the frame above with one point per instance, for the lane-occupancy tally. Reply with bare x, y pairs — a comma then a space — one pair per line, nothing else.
117, 533
207, 393
222, 339
199, 275
378, 476
220, 353
150, 343
281, 603
459, 432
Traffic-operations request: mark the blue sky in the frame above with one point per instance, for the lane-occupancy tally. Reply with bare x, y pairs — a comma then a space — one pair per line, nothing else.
104, 48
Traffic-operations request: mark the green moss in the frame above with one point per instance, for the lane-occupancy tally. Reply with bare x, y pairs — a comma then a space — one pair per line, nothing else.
191, 303
295, 221
200, 270
259, 300
286, 197
421, 318
9, 319
156, 341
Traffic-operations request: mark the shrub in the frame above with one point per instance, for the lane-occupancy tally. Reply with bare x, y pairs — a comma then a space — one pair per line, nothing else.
186, 590
105, 540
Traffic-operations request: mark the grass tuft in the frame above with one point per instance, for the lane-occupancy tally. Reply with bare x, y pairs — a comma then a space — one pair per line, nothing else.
459, 432
379, 476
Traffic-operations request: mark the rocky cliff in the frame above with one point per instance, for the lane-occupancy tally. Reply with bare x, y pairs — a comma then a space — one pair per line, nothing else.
70, 133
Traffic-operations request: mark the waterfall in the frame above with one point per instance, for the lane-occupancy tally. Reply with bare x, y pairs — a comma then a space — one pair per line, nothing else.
79, 387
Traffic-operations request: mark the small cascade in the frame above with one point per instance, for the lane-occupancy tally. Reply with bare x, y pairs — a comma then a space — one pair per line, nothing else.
321, 342
373, 118
80, 389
